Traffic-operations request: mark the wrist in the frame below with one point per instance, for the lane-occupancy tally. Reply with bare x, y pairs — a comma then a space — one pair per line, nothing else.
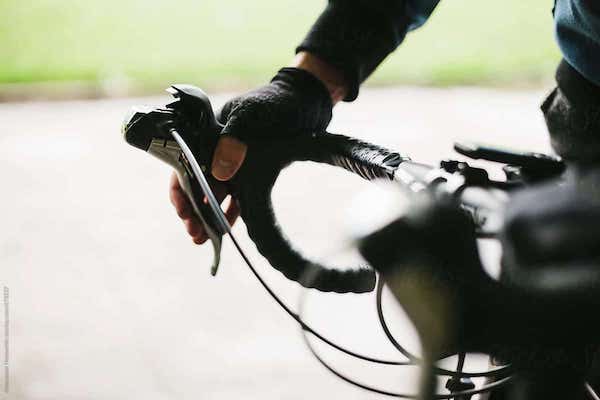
331, 77
313, 104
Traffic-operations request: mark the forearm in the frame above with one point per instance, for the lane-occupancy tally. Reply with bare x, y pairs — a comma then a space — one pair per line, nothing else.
332, 77
355, 36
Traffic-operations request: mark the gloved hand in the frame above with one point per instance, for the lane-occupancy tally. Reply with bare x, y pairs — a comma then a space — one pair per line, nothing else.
295, 102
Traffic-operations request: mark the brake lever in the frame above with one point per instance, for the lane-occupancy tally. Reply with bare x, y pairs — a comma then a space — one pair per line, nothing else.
528, 165
206, 212
184, 134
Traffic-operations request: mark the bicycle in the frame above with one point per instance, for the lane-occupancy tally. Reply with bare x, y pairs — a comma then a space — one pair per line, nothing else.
455, 204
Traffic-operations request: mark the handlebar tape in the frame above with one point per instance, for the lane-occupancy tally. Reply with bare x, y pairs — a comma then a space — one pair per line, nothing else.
253, 186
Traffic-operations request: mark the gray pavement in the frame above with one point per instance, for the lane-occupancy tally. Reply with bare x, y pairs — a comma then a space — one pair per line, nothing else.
110, 300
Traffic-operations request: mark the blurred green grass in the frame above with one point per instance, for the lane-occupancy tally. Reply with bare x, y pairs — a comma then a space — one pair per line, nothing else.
239, 43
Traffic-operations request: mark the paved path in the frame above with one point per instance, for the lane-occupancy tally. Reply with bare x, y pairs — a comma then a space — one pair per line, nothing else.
110, 300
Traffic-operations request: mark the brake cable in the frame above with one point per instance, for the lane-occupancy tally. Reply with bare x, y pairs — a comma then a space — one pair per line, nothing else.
414, 361
501, 371
224, 225
470, 392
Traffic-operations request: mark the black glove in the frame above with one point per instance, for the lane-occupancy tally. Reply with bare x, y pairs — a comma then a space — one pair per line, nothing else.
294, 103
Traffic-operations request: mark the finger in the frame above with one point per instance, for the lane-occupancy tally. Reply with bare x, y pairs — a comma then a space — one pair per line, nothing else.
193, 227
220, 192
233, 211
196, 231
200, 239
196, 228
179, 199
228, 158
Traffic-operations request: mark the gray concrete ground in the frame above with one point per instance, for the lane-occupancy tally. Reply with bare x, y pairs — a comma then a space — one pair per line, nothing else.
110, 300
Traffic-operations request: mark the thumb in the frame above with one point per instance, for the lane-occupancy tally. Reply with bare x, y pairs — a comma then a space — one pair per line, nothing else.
228, 157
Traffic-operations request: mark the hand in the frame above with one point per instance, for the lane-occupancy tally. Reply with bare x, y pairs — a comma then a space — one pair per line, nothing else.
297, 101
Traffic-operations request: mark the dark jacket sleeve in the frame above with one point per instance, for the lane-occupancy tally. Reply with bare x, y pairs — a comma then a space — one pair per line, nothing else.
356, 35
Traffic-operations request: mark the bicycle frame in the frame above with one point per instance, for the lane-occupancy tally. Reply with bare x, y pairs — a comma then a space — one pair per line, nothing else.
458, 204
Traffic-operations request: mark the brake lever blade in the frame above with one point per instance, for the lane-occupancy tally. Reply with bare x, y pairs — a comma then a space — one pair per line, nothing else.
222, 224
